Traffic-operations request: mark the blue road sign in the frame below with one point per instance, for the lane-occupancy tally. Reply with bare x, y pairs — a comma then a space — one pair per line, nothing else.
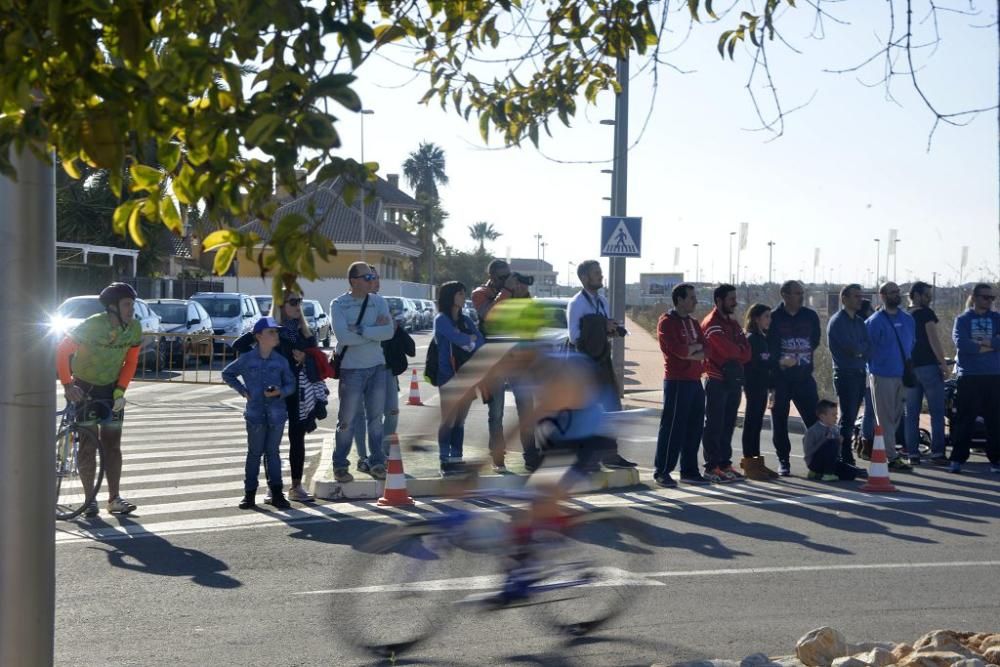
621, 237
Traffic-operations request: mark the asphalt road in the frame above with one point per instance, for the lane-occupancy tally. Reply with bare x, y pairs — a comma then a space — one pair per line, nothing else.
724, 571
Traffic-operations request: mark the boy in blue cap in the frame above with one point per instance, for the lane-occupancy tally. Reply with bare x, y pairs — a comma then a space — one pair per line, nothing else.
266, 380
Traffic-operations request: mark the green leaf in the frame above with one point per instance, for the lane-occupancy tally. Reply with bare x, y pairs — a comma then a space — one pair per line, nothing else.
386, 33
170, 216
144, 177
722, 42
693, 8
347, 98
69, 166
262, 129
484, 127
119, 219
223, 260
219, 238
135, 224
169, 154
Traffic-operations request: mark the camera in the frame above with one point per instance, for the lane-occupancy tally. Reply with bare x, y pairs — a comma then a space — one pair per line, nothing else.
621, 331
524, 280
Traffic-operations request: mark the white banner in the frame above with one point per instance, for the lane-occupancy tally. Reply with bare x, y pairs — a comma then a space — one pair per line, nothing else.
892, 242
816, 257
744, 227
965, 255
677, 256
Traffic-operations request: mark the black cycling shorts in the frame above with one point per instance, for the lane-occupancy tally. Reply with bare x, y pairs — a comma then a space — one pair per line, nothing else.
97, 407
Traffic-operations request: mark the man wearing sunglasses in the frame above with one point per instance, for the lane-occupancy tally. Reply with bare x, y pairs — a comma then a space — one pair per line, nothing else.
977, 340
361, 322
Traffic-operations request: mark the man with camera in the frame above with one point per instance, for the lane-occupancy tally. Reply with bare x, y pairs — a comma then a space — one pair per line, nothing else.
590, 328
503, 285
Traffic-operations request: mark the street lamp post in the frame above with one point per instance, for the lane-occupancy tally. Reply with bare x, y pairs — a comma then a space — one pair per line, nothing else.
361, 201
895, 260
878, 250
732, 279
697, 261
770, 262
569, 274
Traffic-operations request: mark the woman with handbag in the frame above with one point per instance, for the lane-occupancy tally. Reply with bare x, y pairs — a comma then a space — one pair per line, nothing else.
457, 339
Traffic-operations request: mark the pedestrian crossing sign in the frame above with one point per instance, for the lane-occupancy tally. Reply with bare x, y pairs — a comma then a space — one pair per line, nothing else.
621, 237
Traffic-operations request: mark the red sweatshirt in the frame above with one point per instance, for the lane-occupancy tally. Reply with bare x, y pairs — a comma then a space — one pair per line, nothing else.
675, 334
725, 341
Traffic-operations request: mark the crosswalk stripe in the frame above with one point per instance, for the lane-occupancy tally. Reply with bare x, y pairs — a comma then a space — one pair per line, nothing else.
194, 463
189, 443
201, 454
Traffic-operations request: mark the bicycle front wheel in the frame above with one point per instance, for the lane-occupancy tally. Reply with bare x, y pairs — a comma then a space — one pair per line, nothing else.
79, 470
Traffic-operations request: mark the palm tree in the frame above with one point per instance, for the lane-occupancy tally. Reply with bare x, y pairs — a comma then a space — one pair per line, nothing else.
482, 232
424, 170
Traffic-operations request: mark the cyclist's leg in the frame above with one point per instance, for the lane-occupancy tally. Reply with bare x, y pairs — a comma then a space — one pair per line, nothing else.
111, 439
86, 462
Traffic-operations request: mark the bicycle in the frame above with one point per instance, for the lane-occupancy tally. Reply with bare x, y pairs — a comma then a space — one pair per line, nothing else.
76, 489
414, 579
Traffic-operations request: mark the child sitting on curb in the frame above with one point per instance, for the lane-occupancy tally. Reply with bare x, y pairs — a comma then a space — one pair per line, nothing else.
267, 380
822, 447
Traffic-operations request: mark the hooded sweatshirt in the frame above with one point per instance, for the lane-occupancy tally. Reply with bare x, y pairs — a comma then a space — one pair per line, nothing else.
725, 342
971, 330
796, 337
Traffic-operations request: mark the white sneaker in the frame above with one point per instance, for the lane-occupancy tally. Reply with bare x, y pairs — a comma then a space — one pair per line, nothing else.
120, 506
299, 495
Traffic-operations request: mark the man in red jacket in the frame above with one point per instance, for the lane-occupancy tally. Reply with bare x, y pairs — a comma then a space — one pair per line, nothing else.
726, 351
681, 423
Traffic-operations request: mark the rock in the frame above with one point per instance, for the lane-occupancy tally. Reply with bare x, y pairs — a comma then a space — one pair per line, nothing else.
757, 660
901, 651
969, 662
849, 661
989, 641
708, 663
864, 647
787, 661
929, 658
992, 654
945, 641
820, 647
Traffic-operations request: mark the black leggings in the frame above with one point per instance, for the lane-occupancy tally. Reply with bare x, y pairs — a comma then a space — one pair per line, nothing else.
753, 419
296, 438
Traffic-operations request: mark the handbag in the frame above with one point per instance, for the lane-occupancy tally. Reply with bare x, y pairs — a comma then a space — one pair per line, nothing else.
339, 356
909, 379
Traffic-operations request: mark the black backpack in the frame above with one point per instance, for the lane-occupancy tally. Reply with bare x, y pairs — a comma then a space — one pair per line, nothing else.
431, 361
397, 349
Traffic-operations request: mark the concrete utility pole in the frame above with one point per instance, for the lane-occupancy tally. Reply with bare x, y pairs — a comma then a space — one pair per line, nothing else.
361, 195
619, 207
770, 262
878, 250
27, 414
697, 262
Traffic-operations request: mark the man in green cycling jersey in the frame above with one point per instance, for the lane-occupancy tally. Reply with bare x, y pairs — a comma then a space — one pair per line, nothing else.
96, 361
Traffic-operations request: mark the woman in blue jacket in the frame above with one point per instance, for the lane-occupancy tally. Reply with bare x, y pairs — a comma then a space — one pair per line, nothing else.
457, 338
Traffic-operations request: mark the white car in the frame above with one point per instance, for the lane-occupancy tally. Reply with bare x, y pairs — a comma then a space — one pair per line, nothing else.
233, 314
319, 322
187, 329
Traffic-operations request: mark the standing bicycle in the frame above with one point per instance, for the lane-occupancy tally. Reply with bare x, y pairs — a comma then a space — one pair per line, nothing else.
97, 361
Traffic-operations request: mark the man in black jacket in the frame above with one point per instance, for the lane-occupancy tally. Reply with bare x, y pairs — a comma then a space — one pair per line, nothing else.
793, 338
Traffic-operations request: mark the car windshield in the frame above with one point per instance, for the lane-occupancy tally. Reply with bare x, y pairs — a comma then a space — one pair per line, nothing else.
555, 316
221, 307
80, 308
394, 302
171, 313
308, 309
263, 303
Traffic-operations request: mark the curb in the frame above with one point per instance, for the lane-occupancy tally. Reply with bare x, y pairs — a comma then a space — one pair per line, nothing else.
369, 489
795, 423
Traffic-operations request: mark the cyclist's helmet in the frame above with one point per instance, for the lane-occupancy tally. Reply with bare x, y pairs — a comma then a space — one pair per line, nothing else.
115, 292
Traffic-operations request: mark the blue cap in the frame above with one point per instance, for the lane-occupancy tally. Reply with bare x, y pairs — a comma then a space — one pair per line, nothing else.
265, 323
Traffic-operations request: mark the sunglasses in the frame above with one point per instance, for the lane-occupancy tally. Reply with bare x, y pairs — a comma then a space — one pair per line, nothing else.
368, 277
988, 297
293, 302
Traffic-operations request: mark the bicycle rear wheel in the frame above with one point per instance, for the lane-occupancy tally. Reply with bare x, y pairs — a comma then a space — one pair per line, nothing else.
79, 470
583, 577
408, 582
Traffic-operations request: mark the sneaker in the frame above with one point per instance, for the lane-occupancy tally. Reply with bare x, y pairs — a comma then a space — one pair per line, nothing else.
617, 462
715, 476
665, 481
533, 464
363, 466
695, 478
120, 506
813, 475
248, 501
940, 461
499, 469
267, 497
731, 475
899, 464
299, 495
784, 469
913, 460
91, 510
342, 476
279, 502
377, 471
829, 478
955, 467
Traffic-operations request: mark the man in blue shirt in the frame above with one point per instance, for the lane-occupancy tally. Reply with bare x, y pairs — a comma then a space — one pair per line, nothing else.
977, 339
849, 348
893, 333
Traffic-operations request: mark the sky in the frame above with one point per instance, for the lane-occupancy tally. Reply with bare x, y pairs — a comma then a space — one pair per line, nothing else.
850, 166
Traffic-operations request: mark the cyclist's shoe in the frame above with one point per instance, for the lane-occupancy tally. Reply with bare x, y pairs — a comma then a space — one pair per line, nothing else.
342, 476
91, 510
299, 495
120, 506
249, 501
377, 471
500, 468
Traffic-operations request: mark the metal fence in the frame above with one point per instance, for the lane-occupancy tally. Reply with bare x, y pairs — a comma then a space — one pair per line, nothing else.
189, 358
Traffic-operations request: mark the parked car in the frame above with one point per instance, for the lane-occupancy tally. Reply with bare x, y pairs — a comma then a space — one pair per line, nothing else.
76, 309
187, 329
233, 314
317, 319
264, 303
429, 311
400, 313
556, 327
416, 314
470, 311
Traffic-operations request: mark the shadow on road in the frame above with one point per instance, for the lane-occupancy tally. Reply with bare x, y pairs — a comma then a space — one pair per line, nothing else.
151, 554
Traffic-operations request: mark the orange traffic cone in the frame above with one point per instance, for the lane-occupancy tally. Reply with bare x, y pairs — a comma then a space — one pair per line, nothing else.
414, 390
878, 472
395, 493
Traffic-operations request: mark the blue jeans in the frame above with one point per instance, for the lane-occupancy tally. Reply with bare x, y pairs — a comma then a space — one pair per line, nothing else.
360, 390
850, 386
681, 426
930, 384
868, 421
722, 402
390, 418
524, 402
263, 440
451, 434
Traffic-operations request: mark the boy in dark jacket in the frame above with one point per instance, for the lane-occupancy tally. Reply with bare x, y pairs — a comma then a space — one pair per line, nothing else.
822, 447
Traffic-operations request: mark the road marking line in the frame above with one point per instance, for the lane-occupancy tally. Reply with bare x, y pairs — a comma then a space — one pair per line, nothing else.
180, 444
194, 454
